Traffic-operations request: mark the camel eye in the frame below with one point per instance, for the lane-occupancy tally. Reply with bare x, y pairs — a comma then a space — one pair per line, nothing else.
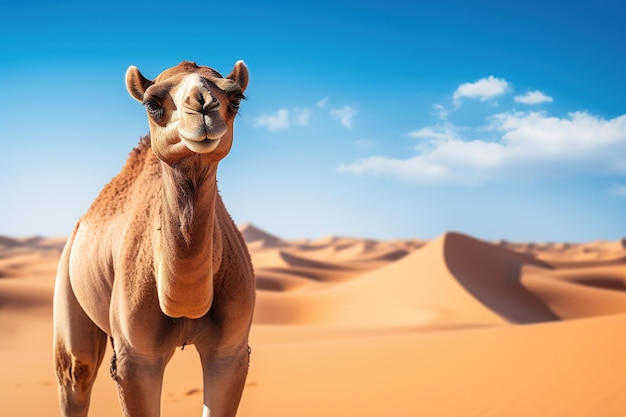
152, 106
233, 106
155, 110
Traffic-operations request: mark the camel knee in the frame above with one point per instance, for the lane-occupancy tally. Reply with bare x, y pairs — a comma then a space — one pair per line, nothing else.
125, 365
75, 372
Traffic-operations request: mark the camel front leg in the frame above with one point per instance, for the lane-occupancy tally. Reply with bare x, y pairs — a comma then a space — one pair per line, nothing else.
224, 380
139, 381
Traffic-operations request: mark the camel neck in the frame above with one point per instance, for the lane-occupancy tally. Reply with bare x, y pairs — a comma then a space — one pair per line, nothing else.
189, 240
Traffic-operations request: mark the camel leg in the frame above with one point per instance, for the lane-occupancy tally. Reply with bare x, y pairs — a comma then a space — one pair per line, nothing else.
139, 381
79, 346
224, 380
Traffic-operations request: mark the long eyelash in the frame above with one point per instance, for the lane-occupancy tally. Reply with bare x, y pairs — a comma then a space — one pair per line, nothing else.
235, 100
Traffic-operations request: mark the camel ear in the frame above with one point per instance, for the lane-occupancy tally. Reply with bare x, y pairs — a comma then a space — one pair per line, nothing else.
240, 75
136, 83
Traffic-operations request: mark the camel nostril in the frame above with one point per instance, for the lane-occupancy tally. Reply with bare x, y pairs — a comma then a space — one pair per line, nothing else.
211, 103
195, 100
192, 103
201, 101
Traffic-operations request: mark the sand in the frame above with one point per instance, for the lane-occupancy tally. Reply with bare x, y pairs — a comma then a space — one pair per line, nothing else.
454, 326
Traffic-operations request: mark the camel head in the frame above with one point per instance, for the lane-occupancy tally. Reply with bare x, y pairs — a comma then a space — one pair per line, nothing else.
190, 109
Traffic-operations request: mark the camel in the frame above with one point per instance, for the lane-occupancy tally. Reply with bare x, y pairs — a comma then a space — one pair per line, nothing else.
156, 262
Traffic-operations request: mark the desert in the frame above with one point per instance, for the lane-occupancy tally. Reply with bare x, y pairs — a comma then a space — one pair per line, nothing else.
432, 194
452, 326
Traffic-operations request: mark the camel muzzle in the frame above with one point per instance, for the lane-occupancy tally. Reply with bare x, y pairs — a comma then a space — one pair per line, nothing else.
200, 100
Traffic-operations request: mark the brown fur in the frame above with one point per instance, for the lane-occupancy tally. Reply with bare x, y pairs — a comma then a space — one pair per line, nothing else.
157, 262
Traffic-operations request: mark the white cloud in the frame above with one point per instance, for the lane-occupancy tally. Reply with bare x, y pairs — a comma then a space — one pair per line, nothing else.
483, 89
364, 143
580, 135
527, 145
437, 133
345, 115
440, 112
452, 161
273, 122
301, 116
323, 102
533, 97
283, 119
408, 168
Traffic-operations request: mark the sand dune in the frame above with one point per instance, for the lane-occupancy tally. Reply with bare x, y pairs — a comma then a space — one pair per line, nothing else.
455, 326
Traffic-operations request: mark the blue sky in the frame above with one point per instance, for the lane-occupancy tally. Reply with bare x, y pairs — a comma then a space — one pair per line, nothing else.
369, 119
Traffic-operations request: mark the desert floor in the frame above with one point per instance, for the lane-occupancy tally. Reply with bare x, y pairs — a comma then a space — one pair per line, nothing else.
454, 326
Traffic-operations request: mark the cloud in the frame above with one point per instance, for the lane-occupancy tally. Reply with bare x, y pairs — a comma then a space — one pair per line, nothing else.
453, 161
283, 119
483, 89
580, 135
345, 115
323, 102
437, 133
408, 168
440, 112
278, 121
533, 97
301, 116
522, 146
364, 143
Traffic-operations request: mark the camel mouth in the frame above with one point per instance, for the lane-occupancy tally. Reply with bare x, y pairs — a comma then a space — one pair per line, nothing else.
205, 145
202, 138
